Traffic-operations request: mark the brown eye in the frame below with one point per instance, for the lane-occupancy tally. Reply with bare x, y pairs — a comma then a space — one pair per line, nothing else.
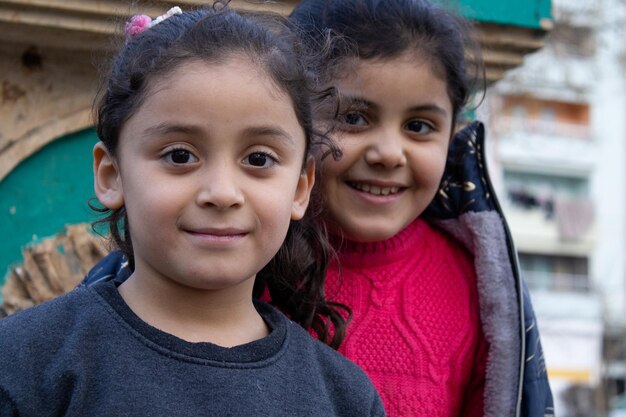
180, 157
259, 160
354, 119
418, 126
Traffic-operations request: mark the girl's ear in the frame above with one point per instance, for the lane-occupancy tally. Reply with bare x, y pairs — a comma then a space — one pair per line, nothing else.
106, 177
303, 190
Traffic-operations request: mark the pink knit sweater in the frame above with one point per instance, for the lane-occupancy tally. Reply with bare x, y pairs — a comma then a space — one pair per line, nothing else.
416, 326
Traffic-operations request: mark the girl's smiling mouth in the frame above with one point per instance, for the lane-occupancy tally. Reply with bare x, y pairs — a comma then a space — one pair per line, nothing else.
375, 189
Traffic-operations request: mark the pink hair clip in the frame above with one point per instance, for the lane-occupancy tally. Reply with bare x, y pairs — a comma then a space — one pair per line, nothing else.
137, 24
141, 22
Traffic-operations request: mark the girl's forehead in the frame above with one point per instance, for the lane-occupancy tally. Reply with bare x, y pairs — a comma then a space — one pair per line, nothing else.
229, 97
395, 86
240, 65
368, 70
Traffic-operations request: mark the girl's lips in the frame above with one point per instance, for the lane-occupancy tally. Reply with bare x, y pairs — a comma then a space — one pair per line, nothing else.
219, 236
227, 231
376, 189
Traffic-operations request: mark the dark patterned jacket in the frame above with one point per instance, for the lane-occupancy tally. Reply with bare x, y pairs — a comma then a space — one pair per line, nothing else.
466, 207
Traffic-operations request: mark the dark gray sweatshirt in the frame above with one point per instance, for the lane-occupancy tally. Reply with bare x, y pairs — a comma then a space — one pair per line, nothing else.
88, 354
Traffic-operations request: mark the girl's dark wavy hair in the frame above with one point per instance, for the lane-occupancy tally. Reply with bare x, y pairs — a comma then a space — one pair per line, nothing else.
295, 276
384, 29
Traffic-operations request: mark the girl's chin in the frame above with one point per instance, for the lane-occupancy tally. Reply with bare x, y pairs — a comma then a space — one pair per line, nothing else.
365, 235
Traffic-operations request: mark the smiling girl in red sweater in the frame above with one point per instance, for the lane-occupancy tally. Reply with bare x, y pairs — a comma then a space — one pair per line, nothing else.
436, 327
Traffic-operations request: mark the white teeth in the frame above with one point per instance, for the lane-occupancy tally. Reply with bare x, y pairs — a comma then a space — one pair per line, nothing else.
375, 190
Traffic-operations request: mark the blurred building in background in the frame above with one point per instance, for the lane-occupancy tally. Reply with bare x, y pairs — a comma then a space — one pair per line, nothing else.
557, 148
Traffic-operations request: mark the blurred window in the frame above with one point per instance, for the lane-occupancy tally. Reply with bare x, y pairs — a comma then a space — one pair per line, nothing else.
551, 117
555, 272
572, 41
540, 191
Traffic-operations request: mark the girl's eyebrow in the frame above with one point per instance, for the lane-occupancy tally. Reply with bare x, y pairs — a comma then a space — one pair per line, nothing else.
360, 101
431, 108
255, 131
356, 101
165, 128
270, 131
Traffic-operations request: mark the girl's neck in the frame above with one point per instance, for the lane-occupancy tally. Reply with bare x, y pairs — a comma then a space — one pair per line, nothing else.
223, 317
371, 254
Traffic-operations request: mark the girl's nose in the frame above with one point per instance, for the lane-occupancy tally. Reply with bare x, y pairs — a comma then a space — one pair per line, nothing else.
220, 189
386, 150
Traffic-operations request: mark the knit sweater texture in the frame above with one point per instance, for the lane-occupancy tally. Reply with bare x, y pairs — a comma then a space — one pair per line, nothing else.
416, 325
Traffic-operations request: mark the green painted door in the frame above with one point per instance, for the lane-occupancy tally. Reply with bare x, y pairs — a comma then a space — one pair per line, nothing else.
45, 192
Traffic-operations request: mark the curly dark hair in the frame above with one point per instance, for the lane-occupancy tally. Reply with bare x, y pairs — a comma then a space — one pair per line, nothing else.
295, 276
383, 29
